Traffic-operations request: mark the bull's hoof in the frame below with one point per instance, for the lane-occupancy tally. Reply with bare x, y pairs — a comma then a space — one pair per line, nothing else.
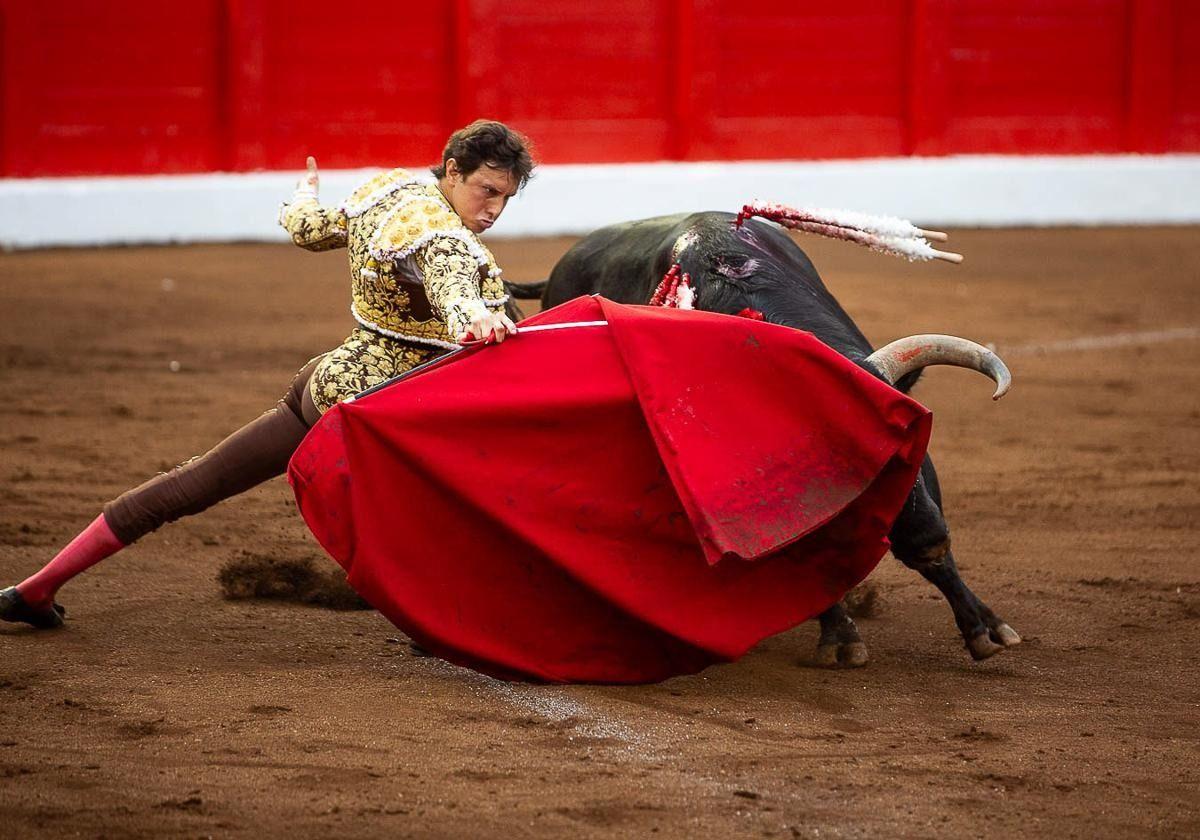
854, 655
982, 647
826, 656
845, 655
14, 608
1005, 635
996, 638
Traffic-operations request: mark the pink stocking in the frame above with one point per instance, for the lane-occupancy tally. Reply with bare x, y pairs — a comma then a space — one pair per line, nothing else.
96, 542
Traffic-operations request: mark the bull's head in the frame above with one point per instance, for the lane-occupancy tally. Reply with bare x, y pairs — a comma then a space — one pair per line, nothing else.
903, 239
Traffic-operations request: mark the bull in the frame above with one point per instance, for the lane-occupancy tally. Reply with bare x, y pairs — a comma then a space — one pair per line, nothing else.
738, 264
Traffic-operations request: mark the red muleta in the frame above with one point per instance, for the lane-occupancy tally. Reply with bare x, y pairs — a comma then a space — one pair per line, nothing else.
589, 504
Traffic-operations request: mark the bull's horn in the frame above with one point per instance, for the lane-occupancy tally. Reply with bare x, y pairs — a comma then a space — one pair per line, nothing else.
905, 355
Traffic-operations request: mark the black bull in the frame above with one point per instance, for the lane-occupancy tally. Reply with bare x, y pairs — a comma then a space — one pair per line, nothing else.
759, 267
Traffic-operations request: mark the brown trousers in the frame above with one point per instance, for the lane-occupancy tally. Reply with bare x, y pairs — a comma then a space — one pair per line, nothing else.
254, 453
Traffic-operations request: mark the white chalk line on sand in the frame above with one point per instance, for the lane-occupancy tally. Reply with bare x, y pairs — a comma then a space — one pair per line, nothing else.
554, 705
551, 703
1100, 342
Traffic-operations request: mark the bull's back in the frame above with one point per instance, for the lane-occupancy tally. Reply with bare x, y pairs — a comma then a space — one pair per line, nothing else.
622, 262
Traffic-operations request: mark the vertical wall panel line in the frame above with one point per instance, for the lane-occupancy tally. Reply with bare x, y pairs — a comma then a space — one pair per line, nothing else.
927, 87
460, 90
702, 139
681, 35
223, 69
1149, 81
243, 91
6, 77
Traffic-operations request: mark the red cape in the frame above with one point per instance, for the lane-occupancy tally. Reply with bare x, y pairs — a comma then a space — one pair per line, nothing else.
615, 503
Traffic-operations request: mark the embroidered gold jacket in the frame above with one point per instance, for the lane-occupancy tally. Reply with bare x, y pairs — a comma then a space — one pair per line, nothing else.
416, 272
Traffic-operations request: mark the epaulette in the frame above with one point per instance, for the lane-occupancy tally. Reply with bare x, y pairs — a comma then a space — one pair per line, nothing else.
376, 190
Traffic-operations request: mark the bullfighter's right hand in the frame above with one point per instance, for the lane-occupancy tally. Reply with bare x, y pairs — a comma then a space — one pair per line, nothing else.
490, 327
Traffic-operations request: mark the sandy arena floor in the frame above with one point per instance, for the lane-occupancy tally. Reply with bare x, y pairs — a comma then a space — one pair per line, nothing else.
163, 710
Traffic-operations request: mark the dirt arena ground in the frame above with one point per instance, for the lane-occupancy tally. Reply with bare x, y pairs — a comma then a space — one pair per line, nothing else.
164, 710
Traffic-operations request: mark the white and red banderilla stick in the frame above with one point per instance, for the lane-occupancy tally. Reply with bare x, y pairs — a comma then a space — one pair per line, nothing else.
886, 234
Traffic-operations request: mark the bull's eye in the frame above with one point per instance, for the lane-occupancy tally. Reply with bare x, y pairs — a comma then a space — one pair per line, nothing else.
739, 271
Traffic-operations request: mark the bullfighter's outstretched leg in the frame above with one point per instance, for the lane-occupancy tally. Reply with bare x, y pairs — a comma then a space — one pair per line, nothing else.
254, 453
921, 541
840, 643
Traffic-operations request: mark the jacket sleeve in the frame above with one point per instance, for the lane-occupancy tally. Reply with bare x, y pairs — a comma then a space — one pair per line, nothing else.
312, 226
451, 282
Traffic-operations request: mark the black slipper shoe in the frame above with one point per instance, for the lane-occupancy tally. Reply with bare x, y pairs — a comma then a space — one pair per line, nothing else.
13, 608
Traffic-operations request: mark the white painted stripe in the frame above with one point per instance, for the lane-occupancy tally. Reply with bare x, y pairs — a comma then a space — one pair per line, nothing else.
1100, 342
538, 328
987, 191
563, 326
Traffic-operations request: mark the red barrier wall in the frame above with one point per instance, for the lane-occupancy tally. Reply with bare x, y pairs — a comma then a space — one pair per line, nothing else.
146, 86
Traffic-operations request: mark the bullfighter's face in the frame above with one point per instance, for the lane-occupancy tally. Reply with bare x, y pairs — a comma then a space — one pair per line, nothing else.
478, 198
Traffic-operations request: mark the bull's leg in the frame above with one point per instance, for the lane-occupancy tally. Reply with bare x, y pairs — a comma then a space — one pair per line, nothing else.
840, 643
921, 540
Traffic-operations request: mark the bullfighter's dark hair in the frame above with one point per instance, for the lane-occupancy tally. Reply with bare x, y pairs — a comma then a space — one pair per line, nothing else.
492, 143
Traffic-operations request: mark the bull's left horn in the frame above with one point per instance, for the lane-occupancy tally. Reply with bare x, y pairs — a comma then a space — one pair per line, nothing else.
905, 355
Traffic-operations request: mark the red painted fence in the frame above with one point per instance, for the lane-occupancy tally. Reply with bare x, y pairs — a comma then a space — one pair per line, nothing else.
150, 86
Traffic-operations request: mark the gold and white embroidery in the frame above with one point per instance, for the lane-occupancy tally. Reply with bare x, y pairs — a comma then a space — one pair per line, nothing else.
418, 276
430, 342
365, 359
312, 226
376, 190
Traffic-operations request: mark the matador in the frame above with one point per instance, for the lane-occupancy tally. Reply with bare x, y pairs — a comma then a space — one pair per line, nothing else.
421, 281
